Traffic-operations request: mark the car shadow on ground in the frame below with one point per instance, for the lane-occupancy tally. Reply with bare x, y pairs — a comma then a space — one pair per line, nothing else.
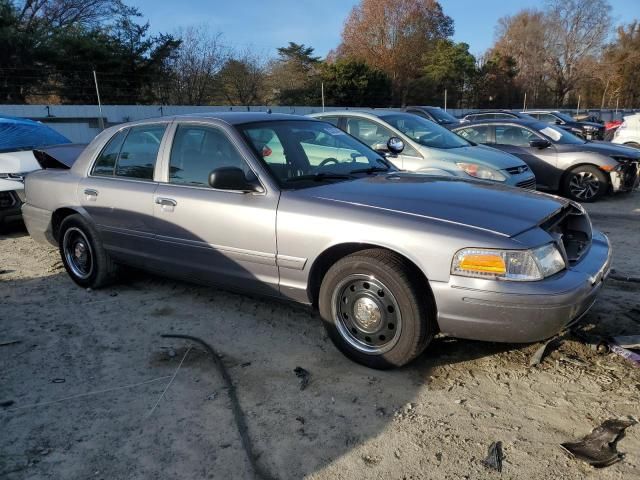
74, 342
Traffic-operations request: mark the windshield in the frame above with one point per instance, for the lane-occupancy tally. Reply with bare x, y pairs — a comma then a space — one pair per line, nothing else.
442, 116
425, 132
18, 134
301, 153
561, 136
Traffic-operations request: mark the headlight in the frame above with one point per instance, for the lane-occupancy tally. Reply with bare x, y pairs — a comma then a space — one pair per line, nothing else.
482, 172
516, 265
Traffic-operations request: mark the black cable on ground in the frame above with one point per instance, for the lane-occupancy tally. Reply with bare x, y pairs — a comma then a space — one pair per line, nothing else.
238, 414
623, 278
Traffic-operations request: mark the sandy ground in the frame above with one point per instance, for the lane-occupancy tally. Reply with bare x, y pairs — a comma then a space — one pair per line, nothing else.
90, 366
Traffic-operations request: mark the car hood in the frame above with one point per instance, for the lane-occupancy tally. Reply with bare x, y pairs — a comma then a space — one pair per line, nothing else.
18, 162
481, 205
477, 154
605, 148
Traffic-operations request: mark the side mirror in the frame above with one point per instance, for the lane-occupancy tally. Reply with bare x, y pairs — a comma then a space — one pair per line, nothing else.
395, 145
539, 143
232, 178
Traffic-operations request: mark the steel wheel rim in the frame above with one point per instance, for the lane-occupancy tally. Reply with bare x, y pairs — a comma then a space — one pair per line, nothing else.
366, 314
584, 185
77, 252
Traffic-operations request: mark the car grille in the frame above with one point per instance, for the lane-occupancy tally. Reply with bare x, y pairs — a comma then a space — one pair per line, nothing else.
571, 229
517, 170
7, 200
527, 184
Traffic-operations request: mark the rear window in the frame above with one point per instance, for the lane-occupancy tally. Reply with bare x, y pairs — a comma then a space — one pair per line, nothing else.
18, 134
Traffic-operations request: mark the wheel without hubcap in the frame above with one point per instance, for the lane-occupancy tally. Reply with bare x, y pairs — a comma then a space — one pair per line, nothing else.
77, 252
367, 314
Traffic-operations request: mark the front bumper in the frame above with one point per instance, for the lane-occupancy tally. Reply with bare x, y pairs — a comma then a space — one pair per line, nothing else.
627, 178
522, 312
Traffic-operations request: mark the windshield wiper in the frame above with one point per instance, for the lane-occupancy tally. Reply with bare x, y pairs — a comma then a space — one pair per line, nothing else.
370, 170
318, 177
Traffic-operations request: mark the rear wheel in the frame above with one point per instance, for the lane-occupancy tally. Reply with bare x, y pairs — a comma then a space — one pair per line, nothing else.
373, 310
83, 256
585, 183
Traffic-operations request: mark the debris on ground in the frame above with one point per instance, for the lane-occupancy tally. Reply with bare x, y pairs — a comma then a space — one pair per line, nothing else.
625, 353
303, 375
598, 448
494, 457
538, 356
628, 341
7, 403
10, 342
622, 277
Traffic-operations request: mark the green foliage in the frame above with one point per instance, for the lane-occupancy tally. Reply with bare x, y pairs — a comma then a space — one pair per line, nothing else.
352, 83
296, 76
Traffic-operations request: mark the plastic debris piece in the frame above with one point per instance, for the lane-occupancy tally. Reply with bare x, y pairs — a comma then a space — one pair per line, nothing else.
625, 353
599, 447
539, 355
494, 457
628, 341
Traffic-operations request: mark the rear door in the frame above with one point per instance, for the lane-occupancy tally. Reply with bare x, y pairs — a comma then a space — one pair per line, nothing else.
225, 237
514, 139
118, 191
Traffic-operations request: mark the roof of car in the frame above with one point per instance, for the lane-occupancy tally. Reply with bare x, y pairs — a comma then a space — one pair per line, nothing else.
480, 112
513, 121
236, 118
380, 113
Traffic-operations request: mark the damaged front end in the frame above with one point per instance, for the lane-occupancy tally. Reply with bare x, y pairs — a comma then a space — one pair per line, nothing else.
571, 229
626, 176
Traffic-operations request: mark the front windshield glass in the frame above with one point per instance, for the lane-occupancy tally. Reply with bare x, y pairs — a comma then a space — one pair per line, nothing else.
301, 153
561, 136
425, 132
443, 117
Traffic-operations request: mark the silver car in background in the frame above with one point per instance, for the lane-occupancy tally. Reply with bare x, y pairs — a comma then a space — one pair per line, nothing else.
295, 208
430, 148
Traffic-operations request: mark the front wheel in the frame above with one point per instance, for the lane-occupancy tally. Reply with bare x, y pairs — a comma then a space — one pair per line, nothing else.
585, 183
83, 256
374, 311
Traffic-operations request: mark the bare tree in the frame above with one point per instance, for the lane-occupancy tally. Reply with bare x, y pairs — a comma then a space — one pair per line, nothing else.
576, 29
57, 14
198, 61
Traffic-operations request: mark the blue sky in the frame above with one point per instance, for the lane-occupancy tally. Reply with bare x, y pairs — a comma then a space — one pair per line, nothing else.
265, 25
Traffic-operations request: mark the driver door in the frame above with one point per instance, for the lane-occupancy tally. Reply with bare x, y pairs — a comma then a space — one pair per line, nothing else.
223, 237
515, 140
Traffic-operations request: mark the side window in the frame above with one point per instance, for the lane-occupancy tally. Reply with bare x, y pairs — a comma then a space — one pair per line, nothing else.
547, 118
476, 134
139, 152
197, 151
106, 161
374, 134
516, 136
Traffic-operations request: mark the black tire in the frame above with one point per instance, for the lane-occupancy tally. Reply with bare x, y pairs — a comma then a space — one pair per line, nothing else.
379, 287
77, 239
585, 183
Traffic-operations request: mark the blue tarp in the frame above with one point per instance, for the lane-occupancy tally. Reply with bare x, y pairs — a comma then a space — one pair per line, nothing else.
22, 134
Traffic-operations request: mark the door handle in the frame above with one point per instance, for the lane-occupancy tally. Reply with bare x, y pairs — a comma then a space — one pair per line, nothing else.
91, 194
166, 202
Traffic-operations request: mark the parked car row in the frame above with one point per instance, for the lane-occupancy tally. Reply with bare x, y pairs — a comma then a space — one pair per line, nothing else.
315, 211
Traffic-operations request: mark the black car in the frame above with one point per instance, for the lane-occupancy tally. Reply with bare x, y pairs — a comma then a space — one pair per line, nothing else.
580, 169
494, 115
586, 130
435, 114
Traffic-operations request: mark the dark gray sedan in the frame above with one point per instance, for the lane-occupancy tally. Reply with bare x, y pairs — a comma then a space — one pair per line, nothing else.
581, 170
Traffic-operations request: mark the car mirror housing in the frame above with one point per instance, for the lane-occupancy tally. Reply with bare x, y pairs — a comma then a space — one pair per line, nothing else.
539, 143
232, 178
395, 145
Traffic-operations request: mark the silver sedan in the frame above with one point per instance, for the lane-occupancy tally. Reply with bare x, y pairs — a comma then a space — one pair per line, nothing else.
295, 208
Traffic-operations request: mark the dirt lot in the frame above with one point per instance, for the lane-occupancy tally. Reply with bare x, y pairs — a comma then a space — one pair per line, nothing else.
90, 366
